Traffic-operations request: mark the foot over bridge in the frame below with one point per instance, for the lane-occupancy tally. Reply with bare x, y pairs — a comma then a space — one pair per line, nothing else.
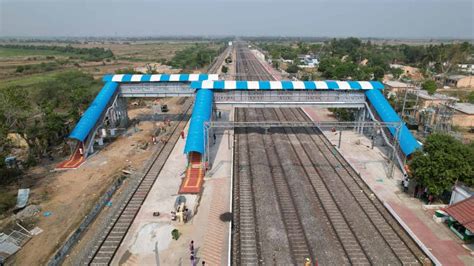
363, 95
109, 110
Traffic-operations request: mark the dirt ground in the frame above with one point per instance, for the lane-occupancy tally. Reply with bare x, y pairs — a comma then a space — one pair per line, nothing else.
69, 195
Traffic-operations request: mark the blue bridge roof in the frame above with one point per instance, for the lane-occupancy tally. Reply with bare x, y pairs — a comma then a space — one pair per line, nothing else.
202, 110
93, 112
286, 85
159, 77
408, 143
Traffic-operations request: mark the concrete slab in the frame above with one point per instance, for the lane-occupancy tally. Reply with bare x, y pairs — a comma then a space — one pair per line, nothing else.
372, 165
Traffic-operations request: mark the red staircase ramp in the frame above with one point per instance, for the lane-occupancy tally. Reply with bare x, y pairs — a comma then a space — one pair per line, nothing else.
194, 179
75, 160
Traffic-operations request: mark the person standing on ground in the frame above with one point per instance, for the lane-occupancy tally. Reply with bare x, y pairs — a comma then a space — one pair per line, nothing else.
405, 184
214, 137
191, 247
430, 199
182, 134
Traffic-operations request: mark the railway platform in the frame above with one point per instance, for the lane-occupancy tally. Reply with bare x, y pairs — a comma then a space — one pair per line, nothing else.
372, 166
149, 241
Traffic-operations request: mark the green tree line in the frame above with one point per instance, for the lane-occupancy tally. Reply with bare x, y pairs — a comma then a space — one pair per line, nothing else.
343, 58
43, 114
197, 56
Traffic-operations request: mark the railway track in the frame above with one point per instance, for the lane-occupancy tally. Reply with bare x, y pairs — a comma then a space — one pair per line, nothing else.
321, 208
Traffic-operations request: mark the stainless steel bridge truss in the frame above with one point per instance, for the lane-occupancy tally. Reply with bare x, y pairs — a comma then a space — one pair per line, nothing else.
290, 98
163, 89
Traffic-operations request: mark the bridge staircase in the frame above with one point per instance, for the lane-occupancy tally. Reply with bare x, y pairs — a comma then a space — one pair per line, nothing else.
192, 183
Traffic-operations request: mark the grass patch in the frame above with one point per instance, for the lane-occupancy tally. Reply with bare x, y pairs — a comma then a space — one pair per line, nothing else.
29, 80
16, 52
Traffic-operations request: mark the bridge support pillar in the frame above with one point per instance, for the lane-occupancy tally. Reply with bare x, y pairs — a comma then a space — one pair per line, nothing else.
122, 112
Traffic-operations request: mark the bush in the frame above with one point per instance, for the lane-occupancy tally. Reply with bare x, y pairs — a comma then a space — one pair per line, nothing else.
429, 86
175, 234
292, 68
7, 201
20, 69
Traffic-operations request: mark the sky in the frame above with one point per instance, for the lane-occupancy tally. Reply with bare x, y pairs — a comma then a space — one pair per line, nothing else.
310, 18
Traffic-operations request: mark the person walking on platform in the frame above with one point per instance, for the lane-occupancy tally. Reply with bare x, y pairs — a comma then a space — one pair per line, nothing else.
214, 137
182, 134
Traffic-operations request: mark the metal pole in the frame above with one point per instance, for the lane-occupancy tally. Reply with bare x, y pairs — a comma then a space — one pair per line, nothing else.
404, 102
394, 150
208, 150
340, 136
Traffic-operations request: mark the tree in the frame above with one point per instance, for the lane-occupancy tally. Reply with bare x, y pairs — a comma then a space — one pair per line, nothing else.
396, 72
378, 73
429, 86
293, 68
224, 69
443, 161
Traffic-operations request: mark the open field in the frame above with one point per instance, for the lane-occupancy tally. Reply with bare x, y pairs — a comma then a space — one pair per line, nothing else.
127, 54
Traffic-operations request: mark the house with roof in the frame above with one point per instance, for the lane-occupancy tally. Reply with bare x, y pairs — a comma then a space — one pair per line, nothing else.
461, 219
455, 81
463, 114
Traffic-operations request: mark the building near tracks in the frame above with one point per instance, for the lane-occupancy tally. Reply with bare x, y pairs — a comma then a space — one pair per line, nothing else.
461, 218
398, 86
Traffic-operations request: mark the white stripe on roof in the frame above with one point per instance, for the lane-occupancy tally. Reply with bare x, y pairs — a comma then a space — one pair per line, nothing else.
213, 77
230, 84
193, 77
207, 84
253, 85
365, 85
174, 77
299, 85
321, 85
343, 85
275, 85
117, 78
155, 77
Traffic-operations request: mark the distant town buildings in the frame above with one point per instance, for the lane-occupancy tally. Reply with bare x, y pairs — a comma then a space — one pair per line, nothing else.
466, 68
308, 61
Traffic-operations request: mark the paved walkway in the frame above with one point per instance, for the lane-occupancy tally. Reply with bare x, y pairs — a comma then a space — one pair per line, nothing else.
372, 165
